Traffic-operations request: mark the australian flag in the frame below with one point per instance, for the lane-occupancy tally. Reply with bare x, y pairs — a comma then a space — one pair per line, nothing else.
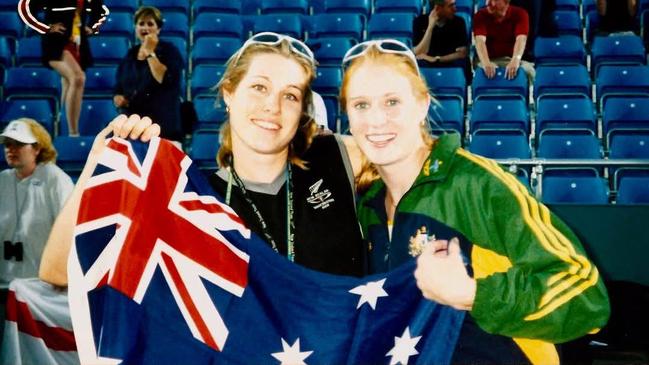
163, 272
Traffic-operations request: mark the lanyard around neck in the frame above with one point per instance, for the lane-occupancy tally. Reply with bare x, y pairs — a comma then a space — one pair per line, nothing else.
290, 225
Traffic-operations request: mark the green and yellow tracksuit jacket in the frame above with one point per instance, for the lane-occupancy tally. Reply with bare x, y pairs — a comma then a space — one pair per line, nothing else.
535, 284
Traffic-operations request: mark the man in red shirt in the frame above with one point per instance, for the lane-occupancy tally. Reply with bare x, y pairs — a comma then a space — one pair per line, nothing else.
500, 33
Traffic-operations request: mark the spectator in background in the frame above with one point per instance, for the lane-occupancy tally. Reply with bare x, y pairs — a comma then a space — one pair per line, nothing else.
617, 16
148, 78
33, 191
440, 38
501, 31
65, 45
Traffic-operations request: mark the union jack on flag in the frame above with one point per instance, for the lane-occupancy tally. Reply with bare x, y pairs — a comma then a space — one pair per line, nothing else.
162, 271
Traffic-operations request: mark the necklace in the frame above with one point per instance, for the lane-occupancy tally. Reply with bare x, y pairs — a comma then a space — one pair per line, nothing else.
290, 225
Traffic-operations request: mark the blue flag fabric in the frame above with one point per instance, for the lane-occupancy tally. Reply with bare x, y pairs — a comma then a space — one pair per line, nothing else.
162, 272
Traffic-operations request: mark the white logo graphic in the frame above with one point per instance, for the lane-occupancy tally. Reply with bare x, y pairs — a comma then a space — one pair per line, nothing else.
319, 199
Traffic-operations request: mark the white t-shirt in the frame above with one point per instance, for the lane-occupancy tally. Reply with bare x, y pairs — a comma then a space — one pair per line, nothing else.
37, 201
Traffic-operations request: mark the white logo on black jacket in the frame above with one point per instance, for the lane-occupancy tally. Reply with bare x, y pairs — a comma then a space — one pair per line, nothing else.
319, 199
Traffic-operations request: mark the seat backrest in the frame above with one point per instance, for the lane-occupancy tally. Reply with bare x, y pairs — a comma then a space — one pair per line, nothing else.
361, 7
629, 145
617, 50
445, 80
95, 115
330, 51
176, 24
499, 84
562, 79
169, 6
328, 80
500, 145
279, 23
284, 7
633, 190
493, 113
568, 22
214, 50
566, 145
210, 115
565, 49
40, 110
622, 79
575, 190
447, 113
128, 6
108, 50
625, 112
338, 25
204, 78
31, 82
203, 148
28, 51
100, 81
393, 6
390, 25
216, 6
118, 24
565, 112
218, 25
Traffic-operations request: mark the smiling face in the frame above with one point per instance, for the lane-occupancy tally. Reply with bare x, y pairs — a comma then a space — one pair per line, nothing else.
146, 25
385, 113
266, 105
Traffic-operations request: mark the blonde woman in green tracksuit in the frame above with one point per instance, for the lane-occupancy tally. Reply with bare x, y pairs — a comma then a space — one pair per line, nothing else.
486, 246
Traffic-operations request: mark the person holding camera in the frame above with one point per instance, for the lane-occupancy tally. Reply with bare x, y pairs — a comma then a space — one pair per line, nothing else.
33, 191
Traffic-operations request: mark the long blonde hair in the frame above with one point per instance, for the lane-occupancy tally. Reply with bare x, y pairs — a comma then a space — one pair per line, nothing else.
236, 69
403, 65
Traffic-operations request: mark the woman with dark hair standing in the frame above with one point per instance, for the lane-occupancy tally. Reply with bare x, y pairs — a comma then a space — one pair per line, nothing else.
65, 47
148, 78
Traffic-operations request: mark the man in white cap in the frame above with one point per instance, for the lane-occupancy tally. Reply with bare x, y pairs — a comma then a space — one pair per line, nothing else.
32, 190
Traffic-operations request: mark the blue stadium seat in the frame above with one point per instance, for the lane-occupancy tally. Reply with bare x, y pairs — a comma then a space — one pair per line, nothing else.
574, 190
128, 6
464, 6
499, 114
569, 145
468, 22
108, 50
338, 25
328, 80
175, 24
397, 6
623, 113
279, 23
284, 7
445, 81
622, 79
568, 22
6, 55
591, 23
633, 190
72, 153
360, 7
32, 82
118, 24
169, 6
571, 5
447, 114
565, 49
216, 6
41, 110
210, 115
500, 144
203, 148
333, 112
250, 7
28, 52
565, 111
95, 115
218, 25
215, 50
588, 6
631, 144
11, 26
562, 79
100, 81
330, 51
204, 78
626, 49
181, 45
499, 85
390, 25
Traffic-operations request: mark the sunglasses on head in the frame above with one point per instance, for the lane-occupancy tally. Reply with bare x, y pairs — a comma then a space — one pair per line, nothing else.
384, 46
273, 39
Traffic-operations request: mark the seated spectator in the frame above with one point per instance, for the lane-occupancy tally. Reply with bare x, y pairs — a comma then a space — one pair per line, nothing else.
617, 16
148, 78
501, 32
33, 190
440, 38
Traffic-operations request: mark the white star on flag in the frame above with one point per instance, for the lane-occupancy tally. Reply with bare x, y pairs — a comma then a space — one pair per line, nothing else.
370, 293
291, 355
404, 347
